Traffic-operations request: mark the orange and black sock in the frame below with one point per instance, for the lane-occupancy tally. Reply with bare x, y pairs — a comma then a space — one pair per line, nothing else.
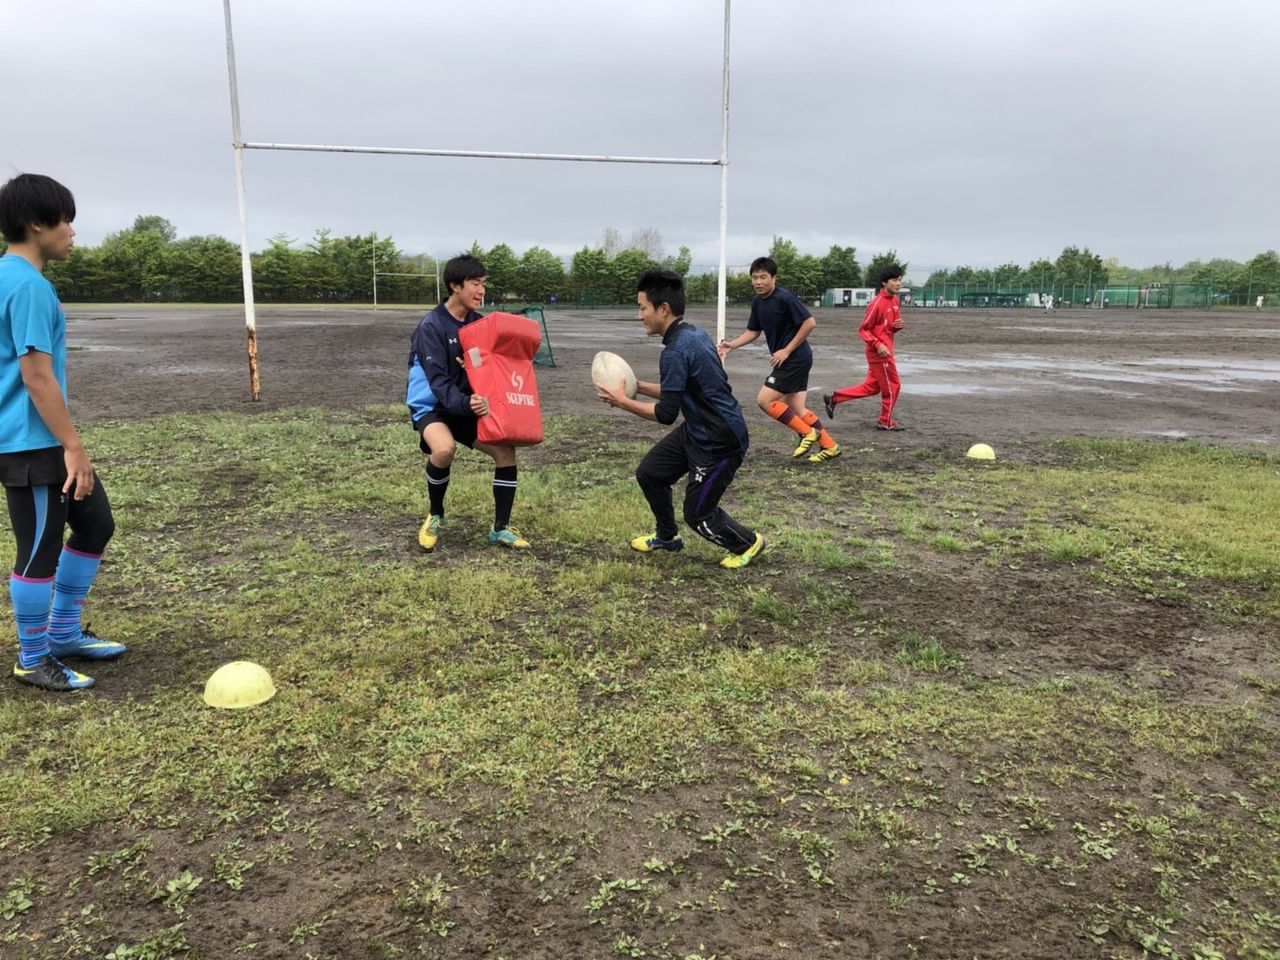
813, 423
787, 417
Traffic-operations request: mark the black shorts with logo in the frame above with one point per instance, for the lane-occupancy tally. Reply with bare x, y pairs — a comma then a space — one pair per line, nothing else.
462, 428
791, 377
33, 468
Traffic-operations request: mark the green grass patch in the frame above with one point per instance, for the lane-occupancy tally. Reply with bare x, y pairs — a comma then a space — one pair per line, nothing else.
754, 728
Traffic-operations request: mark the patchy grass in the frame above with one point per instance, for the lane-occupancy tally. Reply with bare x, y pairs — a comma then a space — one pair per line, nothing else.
583, 751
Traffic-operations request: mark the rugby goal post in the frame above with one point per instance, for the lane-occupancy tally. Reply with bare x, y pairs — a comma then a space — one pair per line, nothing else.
240, 145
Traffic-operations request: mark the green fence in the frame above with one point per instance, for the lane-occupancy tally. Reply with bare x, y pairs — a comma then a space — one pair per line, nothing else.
1070, 295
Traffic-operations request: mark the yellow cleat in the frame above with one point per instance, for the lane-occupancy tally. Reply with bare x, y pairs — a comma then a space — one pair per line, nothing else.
830, 453
510, 538
655, 543
429, 535
736, 561
807, 441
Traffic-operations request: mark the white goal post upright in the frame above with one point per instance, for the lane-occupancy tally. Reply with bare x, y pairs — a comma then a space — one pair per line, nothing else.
246, 264
239, 145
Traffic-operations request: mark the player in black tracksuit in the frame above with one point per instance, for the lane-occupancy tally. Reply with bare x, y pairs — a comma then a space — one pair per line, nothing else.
445, 411
711, 443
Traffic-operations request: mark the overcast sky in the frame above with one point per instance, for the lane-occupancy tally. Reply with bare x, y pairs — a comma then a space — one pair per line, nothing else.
956, 133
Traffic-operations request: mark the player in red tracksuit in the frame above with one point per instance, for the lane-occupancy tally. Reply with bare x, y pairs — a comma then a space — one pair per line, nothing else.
882, 320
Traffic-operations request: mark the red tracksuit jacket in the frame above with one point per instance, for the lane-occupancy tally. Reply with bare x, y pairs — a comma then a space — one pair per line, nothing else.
877, 325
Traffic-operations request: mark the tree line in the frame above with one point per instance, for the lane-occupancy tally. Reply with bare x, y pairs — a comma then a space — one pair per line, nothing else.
148, 262
1231, 280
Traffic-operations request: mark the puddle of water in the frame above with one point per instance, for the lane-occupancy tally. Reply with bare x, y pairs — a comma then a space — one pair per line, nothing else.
953, 389
187, 368
1240, 369
1204, 374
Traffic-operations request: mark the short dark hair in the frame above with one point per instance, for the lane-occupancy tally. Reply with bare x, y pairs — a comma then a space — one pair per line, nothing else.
663, 286
767, 264
462, 268
890, 272
33, 198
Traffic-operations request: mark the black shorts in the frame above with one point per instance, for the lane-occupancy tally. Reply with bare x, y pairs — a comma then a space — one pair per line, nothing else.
791, 377
33, 468
462, 428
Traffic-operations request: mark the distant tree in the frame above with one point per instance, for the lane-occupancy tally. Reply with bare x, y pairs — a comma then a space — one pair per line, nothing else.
135, 260
541, 274
276, 269
679, 263
649, 241
1263, 274
204, 270
1079, 266
737, 287
625, 270
784, 254
81, 276
156, 224
1007, 274
503, 272
589, 275
879, 262
700, 288
804, 277
1224, 277
611, 243
1118, 273
840, 268
1040, 274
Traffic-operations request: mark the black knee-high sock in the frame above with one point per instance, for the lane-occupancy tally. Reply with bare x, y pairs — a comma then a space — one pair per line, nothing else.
504, 495
437, 486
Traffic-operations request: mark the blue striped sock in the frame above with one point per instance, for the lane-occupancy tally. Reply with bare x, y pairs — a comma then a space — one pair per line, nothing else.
30, 598
76, 571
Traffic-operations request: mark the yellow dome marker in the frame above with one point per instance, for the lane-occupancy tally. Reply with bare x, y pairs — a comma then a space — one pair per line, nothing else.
237, 685
980, 451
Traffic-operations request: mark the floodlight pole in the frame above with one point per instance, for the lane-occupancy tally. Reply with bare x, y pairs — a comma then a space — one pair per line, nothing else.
246, 262
375, 269
721, 282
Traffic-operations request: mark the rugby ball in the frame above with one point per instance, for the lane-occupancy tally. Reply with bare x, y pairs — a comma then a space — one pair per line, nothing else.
608, 368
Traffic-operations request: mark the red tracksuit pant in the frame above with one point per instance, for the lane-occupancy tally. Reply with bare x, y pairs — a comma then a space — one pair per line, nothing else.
882, 378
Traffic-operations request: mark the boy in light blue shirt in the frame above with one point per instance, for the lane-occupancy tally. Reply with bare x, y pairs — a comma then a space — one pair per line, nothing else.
49, 481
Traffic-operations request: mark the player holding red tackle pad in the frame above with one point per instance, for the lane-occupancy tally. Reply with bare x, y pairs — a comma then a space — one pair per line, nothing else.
446, 409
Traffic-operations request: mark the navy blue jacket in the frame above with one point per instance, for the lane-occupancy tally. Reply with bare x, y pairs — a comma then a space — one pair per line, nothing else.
694, 382
437, 381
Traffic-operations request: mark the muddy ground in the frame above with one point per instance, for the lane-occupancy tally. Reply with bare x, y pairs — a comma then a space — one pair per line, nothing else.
1014, 379
1005, 377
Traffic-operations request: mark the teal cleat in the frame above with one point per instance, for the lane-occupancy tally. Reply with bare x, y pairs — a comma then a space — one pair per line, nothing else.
49, 674
89, 646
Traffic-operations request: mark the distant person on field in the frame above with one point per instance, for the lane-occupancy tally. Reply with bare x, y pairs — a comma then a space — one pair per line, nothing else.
48, 479
444, 410
880, 323
786, 324
708, 446
1048, 302
1258, 304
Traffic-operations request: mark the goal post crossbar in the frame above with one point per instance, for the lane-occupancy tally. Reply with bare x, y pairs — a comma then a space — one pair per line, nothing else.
483, 154
240, 145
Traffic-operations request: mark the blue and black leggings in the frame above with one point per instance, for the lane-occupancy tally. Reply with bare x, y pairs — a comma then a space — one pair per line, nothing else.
40, 514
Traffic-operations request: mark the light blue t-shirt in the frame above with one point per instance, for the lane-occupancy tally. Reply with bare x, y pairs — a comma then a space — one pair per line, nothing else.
31, 318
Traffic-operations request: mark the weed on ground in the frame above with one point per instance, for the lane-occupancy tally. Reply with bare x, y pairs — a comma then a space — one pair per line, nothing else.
1021, 709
